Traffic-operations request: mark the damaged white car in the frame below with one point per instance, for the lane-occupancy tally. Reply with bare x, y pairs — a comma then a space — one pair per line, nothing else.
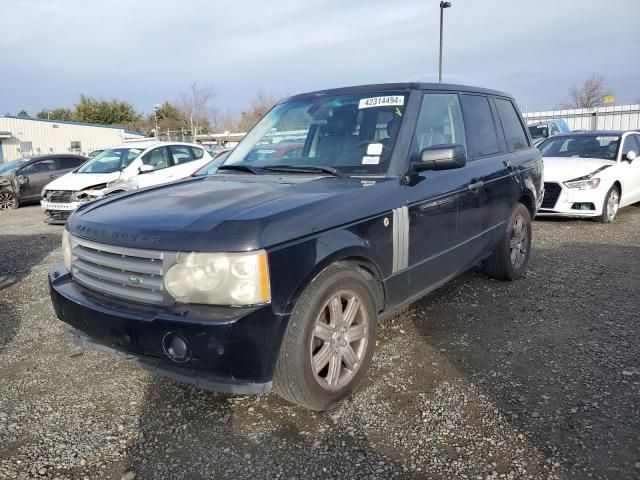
118, 169
590, 174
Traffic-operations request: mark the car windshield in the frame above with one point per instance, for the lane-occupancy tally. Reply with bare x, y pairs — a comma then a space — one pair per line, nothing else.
9, 166
538, 131
212, 167
349, 134
582, 146
112, 160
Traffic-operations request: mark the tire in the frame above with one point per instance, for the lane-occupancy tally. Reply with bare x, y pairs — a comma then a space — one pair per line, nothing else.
323, 388
510, 258
610, 206
8, 200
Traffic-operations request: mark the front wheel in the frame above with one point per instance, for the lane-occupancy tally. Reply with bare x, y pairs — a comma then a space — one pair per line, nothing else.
8, 200
330, 339
510, 258
610, 206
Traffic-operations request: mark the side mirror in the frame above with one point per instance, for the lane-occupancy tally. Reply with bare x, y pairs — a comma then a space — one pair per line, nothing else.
631, 156
145, 168
441, 157
23, 180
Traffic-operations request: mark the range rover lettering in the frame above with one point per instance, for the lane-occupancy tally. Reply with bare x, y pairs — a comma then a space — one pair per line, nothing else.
274, 271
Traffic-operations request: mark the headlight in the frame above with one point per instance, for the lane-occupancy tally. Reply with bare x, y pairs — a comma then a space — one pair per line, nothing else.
220, 278
583, 184
66, 249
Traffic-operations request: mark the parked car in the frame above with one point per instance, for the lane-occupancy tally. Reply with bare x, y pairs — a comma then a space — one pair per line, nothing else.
541, 130
118, 169
95, 152
21, 180
275, 272
212, 167
591, 174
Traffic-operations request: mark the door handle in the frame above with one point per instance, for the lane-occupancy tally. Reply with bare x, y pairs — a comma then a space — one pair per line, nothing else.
476, 186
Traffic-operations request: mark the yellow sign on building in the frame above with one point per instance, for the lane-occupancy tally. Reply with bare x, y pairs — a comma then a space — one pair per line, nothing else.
609, 99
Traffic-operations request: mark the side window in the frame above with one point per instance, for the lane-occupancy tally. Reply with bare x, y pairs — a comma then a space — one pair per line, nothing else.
157, 158
629, 145
440, 122
513, 130
197, 153
70, 162
181, 154
49, 165
481, 129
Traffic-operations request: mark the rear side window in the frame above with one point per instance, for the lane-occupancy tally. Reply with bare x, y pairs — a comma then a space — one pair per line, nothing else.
481, 130
181, 154
197, 153
513, 130
70, 162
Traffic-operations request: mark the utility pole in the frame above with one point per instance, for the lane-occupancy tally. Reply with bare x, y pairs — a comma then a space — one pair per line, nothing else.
155, 109
443, 5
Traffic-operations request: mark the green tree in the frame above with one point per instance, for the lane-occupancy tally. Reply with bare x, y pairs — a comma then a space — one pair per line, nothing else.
106, 112
56, 114
23, 113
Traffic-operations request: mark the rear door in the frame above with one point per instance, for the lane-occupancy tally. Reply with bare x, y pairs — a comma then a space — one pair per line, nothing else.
433, 197
185, 160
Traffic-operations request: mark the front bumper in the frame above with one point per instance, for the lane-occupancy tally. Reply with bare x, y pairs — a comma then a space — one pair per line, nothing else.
231, 349
569, 199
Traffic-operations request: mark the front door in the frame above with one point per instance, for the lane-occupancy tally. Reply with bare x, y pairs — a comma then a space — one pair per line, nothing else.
434, 196
36, 175
630, 170
158, 159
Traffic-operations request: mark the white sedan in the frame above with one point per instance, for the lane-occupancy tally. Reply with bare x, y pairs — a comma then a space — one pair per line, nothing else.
590, 174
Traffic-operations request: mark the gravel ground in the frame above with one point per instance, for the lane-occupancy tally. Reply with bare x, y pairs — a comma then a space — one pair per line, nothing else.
481, 379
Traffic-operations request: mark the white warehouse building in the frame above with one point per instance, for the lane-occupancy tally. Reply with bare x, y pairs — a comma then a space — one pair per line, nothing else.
25, 136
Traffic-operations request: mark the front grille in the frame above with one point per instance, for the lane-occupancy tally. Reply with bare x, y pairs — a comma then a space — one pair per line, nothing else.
126, 273
58, 196
57, 214
552, 192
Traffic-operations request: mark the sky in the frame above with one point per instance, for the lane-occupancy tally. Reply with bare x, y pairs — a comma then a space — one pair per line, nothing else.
149, 51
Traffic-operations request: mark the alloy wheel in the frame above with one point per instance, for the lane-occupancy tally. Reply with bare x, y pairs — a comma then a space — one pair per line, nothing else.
7, 201
339, 340
612, 204
519, 242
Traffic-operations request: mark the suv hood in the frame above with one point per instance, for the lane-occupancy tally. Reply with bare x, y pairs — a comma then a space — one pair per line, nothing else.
561, 169
79, 181
233, 212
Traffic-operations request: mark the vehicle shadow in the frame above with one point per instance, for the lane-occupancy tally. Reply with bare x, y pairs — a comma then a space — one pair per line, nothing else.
192, 434
18, 255
557, 352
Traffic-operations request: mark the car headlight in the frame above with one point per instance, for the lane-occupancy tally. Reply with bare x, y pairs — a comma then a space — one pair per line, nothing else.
583, 184
220, 278
66, 249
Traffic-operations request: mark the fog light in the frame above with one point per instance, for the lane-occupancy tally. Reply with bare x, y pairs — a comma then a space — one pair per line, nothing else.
176, 347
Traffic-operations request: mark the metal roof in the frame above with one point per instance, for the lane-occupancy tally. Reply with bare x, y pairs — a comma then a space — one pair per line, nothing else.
69, 122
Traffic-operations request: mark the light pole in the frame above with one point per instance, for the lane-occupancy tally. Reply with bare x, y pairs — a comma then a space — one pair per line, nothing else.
443, 5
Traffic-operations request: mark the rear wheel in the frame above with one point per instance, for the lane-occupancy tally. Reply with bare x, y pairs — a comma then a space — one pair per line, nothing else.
329, 341
8, 200
610, 206
510, 258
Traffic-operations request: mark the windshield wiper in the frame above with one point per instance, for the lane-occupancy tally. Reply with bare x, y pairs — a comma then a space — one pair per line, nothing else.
240, 168
304, 169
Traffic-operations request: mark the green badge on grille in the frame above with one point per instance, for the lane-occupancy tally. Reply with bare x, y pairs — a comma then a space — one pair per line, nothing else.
133, 280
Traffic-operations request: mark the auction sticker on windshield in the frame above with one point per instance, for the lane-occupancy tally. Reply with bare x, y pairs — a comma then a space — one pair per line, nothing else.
381, 101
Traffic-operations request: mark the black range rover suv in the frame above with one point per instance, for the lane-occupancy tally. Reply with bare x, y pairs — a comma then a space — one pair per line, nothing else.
274, 271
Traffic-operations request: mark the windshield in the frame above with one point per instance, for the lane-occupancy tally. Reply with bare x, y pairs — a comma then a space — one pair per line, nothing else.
538, 131
9, 166
212, 167
112, 160
583, 146
353, 134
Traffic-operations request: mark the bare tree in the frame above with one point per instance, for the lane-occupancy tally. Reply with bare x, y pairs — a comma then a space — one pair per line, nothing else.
259, 105
590, 94
196, 108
